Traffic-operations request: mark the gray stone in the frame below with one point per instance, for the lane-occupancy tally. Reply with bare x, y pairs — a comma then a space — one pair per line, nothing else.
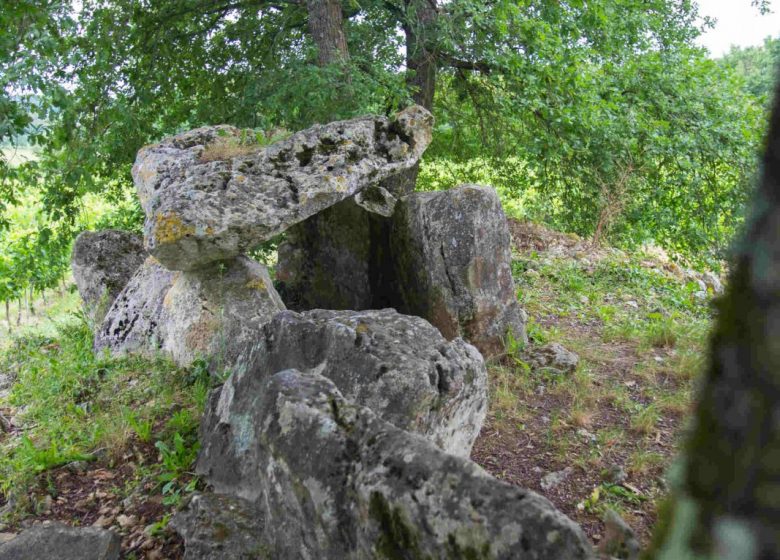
555, 479
132, 323
327, 261
218, 311
55, 540
619, 540
397, 365
218, 527
377, 200
452, 256
713, 282
209, 196
212, 313
553, 355
332, 480
103, 263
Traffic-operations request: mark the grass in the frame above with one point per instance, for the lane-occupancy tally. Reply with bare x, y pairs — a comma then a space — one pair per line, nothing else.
70, 405
640, 333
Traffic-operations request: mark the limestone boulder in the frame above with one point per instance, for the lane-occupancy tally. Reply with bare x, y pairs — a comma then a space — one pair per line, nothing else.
398, 366
451, 253
213, 193
218, 311
56, 540
103, 263
134, 321
332, 480
212, 313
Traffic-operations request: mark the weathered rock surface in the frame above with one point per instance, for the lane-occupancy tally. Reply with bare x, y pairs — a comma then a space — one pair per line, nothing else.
201, 209
103, 263
218, 527
55, 540
218, 311
553, 355
332, 480
326, 262
444, 256
451, 253
132, 323
398, 366
619, 539
213, 313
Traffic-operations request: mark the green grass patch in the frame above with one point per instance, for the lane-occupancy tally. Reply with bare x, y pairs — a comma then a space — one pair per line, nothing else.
73, 405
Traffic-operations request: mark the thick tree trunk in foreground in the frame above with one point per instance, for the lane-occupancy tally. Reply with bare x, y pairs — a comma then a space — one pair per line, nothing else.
729, 502
326, 25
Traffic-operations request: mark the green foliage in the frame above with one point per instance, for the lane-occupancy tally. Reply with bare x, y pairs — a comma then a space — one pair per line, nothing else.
78, 406
598, 117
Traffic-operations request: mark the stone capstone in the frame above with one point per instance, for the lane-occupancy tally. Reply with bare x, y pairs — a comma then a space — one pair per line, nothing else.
451, 253
211, 193
332, 480
56, 540
212, 313
398, 366
103, 263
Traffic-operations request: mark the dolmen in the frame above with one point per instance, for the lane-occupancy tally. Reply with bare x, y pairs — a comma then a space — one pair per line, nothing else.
355, 378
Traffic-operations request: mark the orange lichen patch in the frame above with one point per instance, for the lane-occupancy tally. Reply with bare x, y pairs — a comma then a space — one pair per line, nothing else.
201, 334
256, 284
169, 228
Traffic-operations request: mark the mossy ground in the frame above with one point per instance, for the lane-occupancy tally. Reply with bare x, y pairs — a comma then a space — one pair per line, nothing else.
93, 439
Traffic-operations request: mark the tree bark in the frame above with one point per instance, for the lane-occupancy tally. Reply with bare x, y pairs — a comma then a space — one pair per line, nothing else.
326, 25
728, 505
421, 59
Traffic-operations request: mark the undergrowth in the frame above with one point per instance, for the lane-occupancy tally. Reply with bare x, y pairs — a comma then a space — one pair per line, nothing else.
72, 405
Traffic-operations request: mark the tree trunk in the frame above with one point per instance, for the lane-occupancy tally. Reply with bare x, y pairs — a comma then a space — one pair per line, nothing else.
30, 303
8, 314
19, 312
326, 25
419, 29
728, 505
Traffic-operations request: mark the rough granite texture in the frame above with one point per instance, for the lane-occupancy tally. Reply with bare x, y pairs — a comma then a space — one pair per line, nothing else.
451, 251
213, 313
55, 540
398, 366
103, 263
132, 323
219, 527
199, 209
334, 481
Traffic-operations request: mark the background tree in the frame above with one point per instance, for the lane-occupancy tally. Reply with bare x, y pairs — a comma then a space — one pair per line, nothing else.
611, 108
727, 506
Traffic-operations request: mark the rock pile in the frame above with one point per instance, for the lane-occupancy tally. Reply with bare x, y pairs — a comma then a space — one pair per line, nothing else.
345, 426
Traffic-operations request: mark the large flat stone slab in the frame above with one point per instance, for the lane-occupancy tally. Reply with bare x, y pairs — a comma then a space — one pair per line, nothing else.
210, 195
324, 478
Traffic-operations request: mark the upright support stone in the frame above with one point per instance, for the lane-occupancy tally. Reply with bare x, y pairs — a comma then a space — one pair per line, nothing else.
451, 254
213, 313
103, 263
